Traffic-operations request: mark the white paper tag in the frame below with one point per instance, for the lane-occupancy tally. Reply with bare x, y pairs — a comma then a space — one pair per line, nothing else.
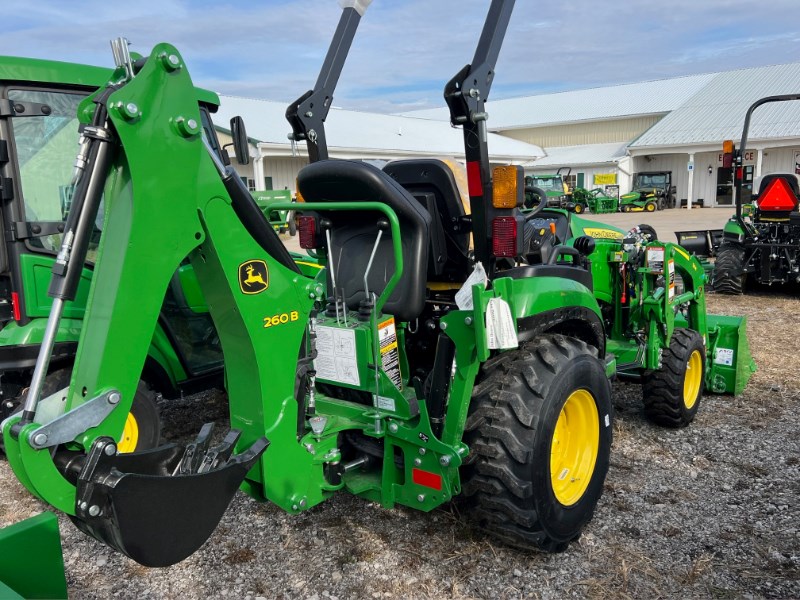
723, 356
464, 295
500, 331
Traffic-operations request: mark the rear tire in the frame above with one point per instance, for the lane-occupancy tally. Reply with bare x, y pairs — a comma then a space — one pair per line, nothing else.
649, 231
520, 433
729, 276
672, 394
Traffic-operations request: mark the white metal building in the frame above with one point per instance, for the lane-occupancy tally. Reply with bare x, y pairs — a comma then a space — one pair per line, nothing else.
675, 125
351, 135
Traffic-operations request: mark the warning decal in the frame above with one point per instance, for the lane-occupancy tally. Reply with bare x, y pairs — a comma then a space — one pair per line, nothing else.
671, 271
390, 356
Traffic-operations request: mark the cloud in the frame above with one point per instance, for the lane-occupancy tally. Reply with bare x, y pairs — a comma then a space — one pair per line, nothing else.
405, 50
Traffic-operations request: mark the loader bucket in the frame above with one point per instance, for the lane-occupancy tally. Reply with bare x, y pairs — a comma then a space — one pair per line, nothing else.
157, 506
730, 364
31, 563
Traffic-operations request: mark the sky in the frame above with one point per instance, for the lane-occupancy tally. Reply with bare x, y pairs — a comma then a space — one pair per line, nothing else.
405, 50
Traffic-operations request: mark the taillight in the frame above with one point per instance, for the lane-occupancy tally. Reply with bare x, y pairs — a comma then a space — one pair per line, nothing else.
15, 306
307, 231
505, 237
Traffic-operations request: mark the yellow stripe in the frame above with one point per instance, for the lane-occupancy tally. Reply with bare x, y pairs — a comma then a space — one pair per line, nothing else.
308, 264
438, 286
682, 252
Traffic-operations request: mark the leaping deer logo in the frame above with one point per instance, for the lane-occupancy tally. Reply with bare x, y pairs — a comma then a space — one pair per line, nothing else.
253, 277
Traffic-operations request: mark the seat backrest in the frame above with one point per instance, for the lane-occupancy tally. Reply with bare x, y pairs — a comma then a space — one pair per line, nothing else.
353, 233
431, 178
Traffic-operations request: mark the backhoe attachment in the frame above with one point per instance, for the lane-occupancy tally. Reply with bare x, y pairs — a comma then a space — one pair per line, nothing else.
157, 506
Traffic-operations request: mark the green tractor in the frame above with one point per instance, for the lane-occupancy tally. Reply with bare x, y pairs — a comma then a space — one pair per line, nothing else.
555, 187
761, 242
440, 356
651, 191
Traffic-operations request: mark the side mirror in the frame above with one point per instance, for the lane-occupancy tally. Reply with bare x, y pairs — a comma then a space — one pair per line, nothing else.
240, 144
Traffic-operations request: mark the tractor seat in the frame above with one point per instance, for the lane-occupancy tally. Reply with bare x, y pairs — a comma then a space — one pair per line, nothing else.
578, 274
353, 233
432, 184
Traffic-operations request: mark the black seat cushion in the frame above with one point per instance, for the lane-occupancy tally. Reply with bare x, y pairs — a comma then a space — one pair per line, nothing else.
353, 233
430, 176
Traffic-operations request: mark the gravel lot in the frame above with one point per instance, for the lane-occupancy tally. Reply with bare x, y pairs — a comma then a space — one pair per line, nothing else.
708, 511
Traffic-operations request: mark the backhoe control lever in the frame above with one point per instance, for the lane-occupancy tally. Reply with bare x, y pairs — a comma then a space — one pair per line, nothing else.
157, 506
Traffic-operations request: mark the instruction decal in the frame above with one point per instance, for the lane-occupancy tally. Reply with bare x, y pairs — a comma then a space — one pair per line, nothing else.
253, 277
336, 355
723, 356
655, 259
390, 356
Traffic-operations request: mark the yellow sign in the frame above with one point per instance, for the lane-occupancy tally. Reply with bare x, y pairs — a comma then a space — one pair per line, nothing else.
605, 234
605, 178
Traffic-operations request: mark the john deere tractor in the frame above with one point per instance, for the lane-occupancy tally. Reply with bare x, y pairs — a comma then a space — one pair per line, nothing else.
762, 240
507, 407
440, 355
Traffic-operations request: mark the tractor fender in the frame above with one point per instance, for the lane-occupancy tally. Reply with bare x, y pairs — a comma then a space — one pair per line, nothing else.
573, 321
733, 231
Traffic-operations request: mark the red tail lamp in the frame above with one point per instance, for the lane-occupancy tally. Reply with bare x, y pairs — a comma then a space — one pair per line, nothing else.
506, 238
307, 231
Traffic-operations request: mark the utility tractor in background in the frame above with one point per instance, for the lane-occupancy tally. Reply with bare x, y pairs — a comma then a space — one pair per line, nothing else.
652, 190
555, 187
440, 355
761, 241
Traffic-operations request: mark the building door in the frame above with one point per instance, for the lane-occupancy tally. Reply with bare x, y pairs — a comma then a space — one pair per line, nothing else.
724, 187
580, 180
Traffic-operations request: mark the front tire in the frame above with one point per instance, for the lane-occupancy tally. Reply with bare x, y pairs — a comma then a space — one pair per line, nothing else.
672, 394
650, 207
729, 276
142, 429
539, 432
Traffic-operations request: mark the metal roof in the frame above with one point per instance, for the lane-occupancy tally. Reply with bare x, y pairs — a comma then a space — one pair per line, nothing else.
581, 156
371, 133
613, 102
717, 112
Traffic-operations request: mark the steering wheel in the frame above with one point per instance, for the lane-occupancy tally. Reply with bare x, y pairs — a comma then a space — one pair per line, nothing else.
536, 192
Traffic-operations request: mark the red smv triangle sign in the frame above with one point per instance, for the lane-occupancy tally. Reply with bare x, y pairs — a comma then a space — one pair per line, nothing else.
778, 196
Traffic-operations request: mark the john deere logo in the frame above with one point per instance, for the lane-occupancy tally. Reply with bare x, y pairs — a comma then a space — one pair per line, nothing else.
253, 277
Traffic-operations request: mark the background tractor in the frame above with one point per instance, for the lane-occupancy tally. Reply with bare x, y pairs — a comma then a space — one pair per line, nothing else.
595, 201
555, 187
652, 190
762, 240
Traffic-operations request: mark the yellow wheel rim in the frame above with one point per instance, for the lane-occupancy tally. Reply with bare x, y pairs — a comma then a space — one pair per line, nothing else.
693, 379
130, 435
578, 208
650, 207
574, 449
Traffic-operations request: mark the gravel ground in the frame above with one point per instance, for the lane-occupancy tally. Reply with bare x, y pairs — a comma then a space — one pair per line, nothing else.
708, 511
